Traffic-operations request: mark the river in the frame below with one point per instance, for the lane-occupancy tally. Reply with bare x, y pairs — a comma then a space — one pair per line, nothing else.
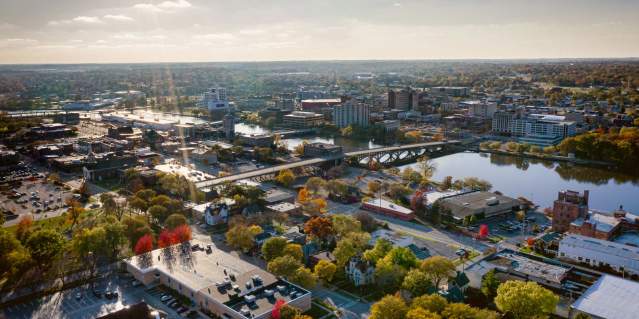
540, 180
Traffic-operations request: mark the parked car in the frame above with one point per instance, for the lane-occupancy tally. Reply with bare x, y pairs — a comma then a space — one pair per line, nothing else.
78, 295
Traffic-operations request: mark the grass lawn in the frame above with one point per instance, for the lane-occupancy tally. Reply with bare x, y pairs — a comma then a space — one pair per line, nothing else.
58, 222
112, 184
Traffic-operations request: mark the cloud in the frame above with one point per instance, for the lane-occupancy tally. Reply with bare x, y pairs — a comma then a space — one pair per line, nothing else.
17, 43
214, 36
118, 17
175, 4
163, 6
87, 20
252, 31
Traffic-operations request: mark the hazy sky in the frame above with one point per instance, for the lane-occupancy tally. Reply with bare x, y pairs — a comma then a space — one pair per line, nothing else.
69, 31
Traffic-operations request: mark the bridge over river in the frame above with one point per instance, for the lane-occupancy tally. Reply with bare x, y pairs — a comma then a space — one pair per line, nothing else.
383, 155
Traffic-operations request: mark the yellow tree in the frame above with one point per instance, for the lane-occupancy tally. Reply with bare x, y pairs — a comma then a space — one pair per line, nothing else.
285, 177
525, 300
389, 307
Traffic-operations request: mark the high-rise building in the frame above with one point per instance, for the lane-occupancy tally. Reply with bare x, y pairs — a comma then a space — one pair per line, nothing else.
215, 101
568, 206
404, 99
228, 123
351, 113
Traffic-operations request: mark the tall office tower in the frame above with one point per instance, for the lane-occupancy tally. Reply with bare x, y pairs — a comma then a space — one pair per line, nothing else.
216, 102
228, 123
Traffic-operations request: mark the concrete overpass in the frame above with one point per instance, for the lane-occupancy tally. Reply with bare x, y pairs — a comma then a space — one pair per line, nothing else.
381, 154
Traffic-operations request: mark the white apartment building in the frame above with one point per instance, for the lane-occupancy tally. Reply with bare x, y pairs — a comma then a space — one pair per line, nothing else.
351, 113
538, 129
599, 253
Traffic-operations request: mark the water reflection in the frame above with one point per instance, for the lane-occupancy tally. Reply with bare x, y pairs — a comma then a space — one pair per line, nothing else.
540, 180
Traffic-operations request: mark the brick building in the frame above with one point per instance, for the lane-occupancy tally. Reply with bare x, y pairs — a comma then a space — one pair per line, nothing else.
569, 206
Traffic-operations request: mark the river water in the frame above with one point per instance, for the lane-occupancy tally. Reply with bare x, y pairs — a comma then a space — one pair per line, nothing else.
346, 143
540, 180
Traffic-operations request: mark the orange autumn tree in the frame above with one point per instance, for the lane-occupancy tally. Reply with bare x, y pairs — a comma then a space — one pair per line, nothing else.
302, 195
319, 227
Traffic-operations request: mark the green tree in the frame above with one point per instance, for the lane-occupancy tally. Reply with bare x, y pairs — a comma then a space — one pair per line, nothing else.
388, 276
402, 256
89, 247
114, 238
138, 203
350, 246
417, 283
159, 213
304, 277
45, 246
489, 284
242, 237
109, 205
13, 256
273, 247
294, 250
135, 227
525, 300
381, 248
389, 307
419, 313
464, 311
345, 224
284, 266
437, 268
325, 270
433, 303
175, 220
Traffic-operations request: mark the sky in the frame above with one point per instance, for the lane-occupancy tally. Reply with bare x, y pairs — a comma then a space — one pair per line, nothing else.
122, 31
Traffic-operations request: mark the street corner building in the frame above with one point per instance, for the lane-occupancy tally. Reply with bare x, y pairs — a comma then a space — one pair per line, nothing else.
216, 281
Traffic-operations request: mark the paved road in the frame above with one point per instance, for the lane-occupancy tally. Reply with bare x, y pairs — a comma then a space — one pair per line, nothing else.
413, 229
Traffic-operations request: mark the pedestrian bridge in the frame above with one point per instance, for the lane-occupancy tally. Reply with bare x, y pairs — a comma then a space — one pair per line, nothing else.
383, 155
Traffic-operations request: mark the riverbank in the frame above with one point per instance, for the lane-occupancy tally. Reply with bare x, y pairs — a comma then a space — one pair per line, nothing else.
548, 157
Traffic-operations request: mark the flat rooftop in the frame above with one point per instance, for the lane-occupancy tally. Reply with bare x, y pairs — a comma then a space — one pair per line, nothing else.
471, 203
522, 264
610, 297
604, 247
220, 276
384, 204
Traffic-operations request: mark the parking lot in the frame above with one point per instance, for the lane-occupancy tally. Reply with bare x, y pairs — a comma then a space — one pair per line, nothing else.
34, 196
515, 232
82, 303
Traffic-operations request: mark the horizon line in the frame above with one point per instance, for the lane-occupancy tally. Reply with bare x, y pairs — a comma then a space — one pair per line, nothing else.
627, 58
